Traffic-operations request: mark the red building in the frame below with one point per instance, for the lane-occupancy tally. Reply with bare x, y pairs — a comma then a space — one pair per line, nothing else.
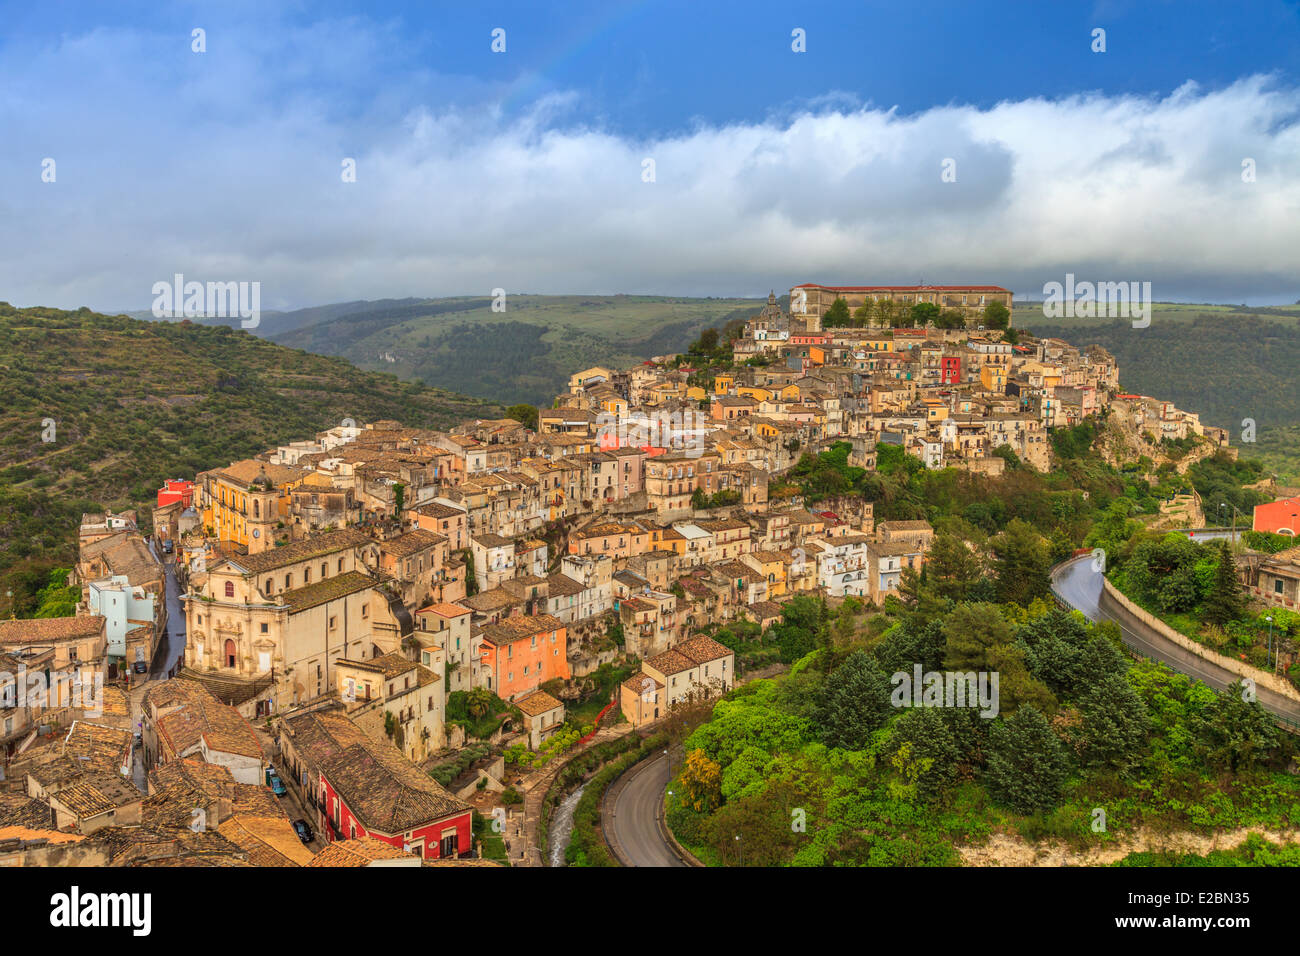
175, 490
950, 370
1280, 517
360, 786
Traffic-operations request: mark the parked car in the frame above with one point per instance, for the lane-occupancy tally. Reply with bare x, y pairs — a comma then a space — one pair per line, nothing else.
140, 667
303, 830
275, 783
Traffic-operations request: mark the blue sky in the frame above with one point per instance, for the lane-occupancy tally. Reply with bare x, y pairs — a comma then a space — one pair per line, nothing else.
524, 170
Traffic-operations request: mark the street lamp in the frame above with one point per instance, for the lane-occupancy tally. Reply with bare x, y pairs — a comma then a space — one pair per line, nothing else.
740, 849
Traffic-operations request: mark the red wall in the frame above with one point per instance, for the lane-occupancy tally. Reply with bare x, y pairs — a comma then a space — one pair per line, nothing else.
431, 832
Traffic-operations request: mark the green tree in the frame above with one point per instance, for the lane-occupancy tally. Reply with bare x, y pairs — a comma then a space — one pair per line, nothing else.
1115, 725
996, 316
837, 315
923, 313
1021, 563
526, 414
1237, 735
855, 702
934, 746
1225, 601
971, 631
952, 566
1027, 764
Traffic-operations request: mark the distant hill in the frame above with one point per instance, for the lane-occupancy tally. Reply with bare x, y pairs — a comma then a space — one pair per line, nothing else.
525, 354
136, 402
1226, 365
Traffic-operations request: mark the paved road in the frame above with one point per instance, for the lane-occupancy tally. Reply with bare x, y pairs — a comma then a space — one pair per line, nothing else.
1079, 584
172, 644
636, 809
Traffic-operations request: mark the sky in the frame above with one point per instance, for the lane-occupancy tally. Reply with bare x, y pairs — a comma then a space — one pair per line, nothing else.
648, 148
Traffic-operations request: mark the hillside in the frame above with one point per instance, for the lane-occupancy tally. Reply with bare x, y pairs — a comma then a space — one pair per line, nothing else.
137, 402
1226, 365
525, 354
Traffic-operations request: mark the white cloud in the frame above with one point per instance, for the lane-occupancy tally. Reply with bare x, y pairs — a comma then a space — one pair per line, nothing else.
228, 168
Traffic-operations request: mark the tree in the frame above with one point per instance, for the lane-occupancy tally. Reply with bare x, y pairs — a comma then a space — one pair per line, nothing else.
1224, 602
1235, 735
952, 567
526, 414
837, 315
933, 746
855, 702
908, 643
701, 782
1054, 645
479, 702
951, 319
1115, 725
923, 313
1027, 764
399, 499
996, 316
1021, 563
971, 631
862, 314
471, 580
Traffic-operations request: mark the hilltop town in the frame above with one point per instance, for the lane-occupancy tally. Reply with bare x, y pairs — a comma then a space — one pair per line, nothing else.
399, 629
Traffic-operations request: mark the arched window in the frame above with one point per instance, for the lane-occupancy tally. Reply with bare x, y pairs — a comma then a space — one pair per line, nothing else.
257, 508
230, 589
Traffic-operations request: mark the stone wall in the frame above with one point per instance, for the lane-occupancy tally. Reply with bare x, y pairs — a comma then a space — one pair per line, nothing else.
1240, 668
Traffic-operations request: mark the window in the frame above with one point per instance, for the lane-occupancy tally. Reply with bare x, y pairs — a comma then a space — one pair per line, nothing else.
449, 844
365, 609
269, 584
1278, 586
230, 589
306, 575
265, 627
323, 570
288, 580
333, 620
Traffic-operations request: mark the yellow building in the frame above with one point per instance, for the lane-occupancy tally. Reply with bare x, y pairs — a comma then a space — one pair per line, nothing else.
993, 378
243, 502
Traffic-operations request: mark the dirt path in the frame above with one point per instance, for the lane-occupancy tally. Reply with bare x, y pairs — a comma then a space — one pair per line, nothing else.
1010, 850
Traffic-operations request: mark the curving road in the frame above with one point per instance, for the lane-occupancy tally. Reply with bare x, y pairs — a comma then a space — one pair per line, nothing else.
1078, 584
634, 812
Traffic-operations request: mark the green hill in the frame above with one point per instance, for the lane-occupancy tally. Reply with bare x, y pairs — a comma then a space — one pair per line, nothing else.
525, 354
136, 402
1225, 364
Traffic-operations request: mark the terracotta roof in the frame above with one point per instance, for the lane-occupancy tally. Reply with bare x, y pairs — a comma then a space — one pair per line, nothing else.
445, 609
316, 546
360, 852
387, 792
313, 595
702, 649
670, 662
38, 630
537, 703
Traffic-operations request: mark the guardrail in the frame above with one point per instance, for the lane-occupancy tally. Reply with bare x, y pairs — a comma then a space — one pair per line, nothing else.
1286, 723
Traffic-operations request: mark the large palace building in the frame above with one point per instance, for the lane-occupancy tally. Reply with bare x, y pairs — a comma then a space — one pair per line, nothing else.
815, 299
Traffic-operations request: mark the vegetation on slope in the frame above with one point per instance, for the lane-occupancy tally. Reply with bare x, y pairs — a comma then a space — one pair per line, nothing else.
134, 403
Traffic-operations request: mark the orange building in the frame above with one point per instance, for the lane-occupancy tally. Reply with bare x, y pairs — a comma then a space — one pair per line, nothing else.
520, 653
